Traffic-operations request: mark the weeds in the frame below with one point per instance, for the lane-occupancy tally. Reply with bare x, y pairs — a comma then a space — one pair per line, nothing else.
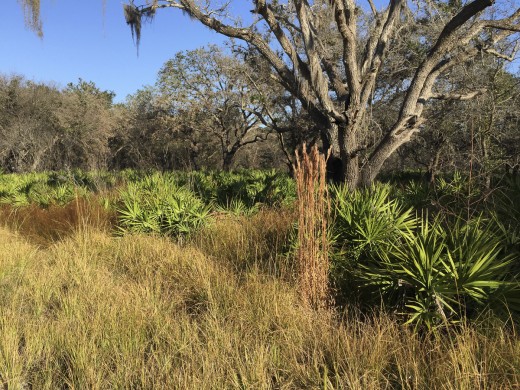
143, 312
85, 308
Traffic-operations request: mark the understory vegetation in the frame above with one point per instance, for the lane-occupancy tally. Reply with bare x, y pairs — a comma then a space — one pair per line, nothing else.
191, 280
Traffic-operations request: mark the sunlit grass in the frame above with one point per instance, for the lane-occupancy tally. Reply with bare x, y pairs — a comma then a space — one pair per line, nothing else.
98, 311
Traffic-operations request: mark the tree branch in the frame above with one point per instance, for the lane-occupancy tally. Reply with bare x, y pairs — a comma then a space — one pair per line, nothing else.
458, 96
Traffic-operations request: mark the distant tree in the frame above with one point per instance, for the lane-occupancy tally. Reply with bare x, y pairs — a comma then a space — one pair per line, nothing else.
86, 123
146, 137
209, 94
29, 125
43, 127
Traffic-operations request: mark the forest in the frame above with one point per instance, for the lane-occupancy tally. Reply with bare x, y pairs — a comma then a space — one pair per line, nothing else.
329, 200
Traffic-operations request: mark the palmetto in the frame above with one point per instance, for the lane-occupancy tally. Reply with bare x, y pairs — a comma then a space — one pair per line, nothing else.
438, 275
158, 205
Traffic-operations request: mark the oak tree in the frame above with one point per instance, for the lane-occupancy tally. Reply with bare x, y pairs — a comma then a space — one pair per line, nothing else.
335, 57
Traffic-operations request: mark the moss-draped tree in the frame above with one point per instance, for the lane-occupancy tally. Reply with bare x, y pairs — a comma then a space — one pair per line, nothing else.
341, 57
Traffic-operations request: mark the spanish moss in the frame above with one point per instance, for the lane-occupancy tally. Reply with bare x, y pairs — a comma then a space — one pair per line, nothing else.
31, 9
134, 15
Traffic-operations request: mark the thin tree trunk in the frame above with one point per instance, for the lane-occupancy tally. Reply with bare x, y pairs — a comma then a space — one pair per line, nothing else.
433, 166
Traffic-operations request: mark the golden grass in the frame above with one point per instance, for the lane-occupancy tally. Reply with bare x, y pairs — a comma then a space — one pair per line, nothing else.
251, 242
94, 311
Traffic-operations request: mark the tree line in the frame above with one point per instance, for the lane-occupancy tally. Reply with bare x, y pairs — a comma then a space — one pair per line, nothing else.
219, 108
370, 83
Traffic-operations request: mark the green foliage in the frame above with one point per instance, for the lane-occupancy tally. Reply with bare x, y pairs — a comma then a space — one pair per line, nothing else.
432, 270
448, 195
505, 211
249, 187
368, 221
53, 188
440, 274
237, 207
156, 204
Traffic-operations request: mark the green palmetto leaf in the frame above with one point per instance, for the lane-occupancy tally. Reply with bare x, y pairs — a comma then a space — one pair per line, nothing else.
157, 204
368, 220
447, 270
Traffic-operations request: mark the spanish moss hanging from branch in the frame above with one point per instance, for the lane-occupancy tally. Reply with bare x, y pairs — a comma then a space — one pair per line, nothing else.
31, 9
134, 16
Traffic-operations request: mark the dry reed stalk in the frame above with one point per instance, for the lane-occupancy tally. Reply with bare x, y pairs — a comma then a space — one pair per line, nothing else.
313, 208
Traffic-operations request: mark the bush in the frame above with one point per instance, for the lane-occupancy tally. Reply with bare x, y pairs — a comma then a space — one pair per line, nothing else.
432, 271
157, 205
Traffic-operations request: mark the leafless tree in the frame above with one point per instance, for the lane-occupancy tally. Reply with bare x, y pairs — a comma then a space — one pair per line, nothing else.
209, 93
45, 127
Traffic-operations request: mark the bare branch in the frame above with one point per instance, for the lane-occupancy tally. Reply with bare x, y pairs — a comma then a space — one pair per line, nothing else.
511, 23
372, 7
501, 55
458, 96
317, 79
344, 13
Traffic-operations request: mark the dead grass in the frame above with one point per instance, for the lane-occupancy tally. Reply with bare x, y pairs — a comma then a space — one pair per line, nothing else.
313, 209
245, 243
101, 312
94, 311
45, 226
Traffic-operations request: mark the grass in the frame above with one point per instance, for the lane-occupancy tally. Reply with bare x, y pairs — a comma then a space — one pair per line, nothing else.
218, 308
43, 226
313, 241
92, 310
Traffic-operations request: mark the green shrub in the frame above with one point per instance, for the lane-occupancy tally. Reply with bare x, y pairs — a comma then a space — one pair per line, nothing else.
368, 221
439, 274
157, 205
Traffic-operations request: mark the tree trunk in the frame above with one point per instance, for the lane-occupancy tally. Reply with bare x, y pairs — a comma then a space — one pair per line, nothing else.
227, 160
350, 160
433, 166
343, 162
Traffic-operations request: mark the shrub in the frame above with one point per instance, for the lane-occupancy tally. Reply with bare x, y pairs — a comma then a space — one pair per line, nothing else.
157, 205
437, 275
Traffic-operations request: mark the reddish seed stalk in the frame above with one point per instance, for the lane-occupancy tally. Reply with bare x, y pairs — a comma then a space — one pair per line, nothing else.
313, 208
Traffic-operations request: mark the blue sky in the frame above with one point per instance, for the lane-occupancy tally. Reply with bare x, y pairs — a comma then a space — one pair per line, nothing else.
82, 41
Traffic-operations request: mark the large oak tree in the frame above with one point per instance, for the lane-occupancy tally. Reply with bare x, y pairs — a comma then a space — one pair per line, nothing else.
334, 57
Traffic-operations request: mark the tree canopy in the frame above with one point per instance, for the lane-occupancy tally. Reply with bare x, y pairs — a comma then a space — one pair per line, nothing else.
340, 58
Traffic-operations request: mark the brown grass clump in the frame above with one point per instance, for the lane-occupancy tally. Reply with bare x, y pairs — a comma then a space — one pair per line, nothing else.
313, 208
44, 226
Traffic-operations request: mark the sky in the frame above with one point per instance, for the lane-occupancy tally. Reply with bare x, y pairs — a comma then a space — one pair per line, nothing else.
83, 41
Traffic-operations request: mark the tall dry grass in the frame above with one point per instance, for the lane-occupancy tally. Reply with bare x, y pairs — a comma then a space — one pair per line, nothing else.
245, 243
100, 312
313, 209
44, 226
82, 309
